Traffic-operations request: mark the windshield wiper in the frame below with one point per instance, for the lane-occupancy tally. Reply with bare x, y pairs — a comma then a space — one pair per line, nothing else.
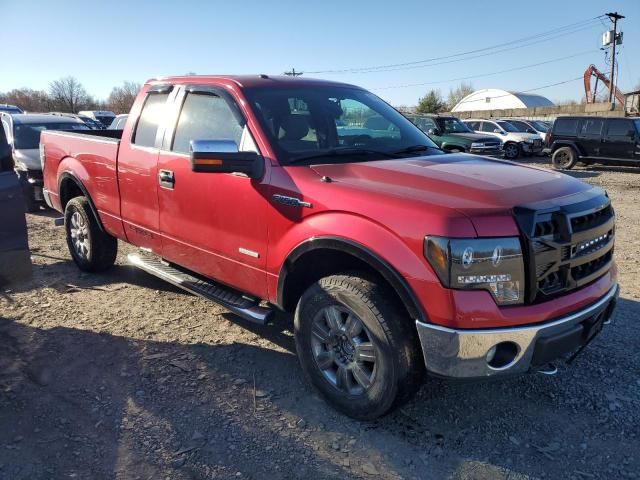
412, 149
343, 152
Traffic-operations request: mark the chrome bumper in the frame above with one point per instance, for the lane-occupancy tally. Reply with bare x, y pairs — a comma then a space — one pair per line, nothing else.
463, 353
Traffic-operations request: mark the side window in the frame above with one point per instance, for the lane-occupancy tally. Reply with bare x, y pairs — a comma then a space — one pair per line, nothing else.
205, 117
6, 160
619, 128
488, 127
592, 127
473, 125
150, 118
565, 126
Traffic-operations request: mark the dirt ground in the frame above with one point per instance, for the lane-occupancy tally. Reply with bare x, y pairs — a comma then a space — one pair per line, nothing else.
122, 376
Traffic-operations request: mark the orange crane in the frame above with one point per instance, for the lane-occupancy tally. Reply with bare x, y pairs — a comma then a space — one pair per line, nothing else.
592, 71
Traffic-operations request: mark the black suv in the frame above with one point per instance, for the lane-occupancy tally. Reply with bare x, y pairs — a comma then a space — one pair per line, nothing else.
588, 140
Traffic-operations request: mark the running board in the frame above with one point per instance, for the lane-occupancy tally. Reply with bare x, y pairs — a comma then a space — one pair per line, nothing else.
234, 301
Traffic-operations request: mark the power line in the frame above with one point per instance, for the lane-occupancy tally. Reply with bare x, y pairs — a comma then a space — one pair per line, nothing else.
531, 39
486, 74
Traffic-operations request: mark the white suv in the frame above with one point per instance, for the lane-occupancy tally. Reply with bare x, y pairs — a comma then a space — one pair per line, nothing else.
515, 142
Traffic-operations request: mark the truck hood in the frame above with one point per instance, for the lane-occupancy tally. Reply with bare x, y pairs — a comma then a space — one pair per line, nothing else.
474, 137
28, 158
473, 185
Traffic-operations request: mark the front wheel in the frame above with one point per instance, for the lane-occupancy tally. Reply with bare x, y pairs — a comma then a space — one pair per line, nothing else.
511, 151
92, 249
357, 345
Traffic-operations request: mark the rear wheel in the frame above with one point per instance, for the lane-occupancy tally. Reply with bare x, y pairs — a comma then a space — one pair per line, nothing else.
564, 158
92, 249
357, 346
511, 151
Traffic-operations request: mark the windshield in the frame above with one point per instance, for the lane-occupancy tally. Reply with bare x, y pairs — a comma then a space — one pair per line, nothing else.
314, 122
539, 126
507, 127
104, 119
452, 125
519, 126
27, 135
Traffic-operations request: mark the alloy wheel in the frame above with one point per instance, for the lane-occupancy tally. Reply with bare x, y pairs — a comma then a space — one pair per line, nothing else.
343, 350
79, 231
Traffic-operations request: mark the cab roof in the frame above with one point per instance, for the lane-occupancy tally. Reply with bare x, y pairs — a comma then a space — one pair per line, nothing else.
251, 81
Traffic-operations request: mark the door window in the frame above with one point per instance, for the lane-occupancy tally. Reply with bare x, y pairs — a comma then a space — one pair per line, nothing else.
488, 127
619, 129
592, 127
205, 117
149, 121
473, 125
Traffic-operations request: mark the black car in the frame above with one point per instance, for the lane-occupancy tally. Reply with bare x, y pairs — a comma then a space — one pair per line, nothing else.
15, 259
605, 140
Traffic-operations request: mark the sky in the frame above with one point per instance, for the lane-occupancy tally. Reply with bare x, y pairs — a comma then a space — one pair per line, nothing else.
103, 43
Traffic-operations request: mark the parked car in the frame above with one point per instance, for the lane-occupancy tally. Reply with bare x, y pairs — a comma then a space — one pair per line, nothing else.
15, 258
392, 256
451, 135
118, 122
530, 126
90, 122
23, 134
103, 116
10, 108
609, 141
515, 143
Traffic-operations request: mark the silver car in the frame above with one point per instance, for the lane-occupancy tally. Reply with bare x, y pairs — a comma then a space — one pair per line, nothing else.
23, 134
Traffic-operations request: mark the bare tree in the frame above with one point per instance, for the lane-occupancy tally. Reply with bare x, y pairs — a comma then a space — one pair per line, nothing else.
68, 94
121, 98
458, 93
27, 99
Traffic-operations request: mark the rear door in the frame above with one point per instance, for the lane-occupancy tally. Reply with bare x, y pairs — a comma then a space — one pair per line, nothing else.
138, 169
212, 223
620, 139
590, 136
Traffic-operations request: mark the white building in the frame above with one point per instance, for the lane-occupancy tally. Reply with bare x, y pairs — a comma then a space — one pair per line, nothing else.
495, 99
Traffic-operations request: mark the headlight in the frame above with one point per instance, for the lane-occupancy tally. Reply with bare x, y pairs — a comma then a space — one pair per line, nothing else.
529, 140
477, 145
492, 264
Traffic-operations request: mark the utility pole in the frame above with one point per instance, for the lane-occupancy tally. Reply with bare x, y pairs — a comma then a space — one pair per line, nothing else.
614, 17
293, 73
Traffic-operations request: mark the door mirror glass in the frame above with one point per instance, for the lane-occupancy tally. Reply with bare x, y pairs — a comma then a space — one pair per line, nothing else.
433, 131
222, 156
497, 130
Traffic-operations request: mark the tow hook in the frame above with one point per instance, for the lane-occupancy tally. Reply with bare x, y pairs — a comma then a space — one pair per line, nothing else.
549, 369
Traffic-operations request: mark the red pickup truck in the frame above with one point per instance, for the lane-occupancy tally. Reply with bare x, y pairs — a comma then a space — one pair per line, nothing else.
318, 198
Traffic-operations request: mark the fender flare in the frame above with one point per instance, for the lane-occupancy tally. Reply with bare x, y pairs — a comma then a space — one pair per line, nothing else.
67, 175
397, 282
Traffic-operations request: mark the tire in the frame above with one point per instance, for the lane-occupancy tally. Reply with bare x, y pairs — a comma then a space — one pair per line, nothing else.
564, 158
92, 249
370, 361
511, 151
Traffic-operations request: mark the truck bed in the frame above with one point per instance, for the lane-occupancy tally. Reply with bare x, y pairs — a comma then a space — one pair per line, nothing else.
92, 155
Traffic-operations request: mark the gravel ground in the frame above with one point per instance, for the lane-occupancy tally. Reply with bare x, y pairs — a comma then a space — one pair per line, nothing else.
123, 376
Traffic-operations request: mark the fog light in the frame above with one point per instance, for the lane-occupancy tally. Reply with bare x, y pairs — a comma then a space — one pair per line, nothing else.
502, 355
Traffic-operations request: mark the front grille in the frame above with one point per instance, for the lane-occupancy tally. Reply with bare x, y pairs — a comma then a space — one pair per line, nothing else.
566, 247
537, 143
492, 144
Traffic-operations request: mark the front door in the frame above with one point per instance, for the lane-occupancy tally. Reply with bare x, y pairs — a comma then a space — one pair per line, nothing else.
620, 139
212, 223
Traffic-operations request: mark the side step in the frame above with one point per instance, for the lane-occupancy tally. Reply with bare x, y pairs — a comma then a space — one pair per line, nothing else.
234, 301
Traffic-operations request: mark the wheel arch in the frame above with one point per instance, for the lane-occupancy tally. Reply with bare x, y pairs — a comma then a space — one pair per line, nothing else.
566, 143
69, 186
318, 257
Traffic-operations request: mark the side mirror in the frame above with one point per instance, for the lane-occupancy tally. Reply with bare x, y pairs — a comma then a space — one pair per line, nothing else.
433, 131
497, 130
222, 156
531, 130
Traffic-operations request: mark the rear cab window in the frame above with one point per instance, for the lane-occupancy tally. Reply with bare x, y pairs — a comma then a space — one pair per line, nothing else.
149, 121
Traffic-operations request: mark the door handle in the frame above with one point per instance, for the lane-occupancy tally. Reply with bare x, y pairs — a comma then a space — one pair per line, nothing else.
166, 179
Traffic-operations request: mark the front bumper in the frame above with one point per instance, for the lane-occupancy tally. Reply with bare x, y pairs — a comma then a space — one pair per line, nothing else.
488, 152
463, 353
531, 147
